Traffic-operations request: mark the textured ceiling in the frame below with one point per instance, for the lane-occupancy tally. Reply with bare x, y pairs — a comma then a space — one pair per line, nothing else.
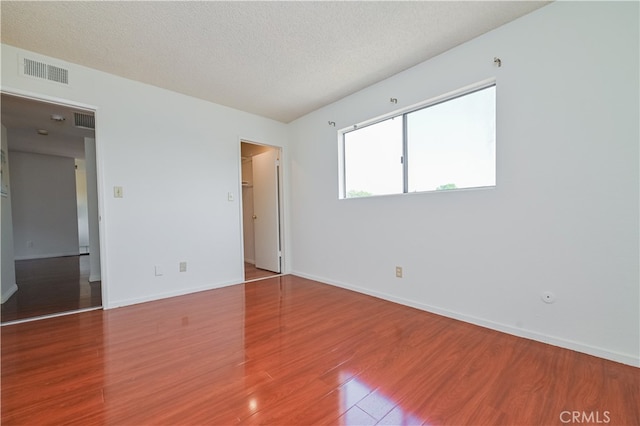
280, 60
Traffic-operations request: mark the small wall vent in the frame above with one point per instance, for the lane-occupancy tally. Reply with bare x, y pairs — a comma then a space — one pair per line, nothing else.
84, 121
45, 71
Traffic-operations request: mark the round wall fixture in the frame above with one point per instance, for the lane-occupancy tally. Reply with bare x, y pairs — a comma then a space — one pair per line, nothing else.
57, 117
43, 132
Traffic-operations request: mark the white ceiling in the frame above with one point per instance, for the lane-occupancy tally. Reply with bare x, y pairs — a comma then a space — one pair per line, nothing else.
24, 117
280, 60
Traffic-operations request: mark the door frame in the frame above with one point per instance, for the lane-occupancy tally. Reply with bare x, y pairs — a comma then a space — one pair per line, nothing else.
39, 97
281, 203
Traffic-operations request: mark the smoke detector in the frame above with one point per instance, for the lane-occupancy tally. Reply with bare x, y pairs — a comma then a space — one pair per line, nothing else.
57, 117
43, 132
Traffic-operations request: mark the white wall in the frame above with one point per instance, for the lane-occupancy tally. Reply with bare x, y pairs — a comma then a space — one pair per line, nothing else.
564, 214
44, 206
7, 268
176, 158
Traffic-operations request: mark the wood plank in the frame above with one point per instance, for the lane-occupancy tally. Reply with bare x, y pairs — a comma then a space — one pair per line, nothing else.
50, 286
287, 350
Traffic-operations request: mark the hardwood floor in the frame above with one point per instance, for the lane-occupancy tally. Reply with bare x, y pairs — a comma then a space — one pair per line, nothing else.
253, 273
289, 351
49, 286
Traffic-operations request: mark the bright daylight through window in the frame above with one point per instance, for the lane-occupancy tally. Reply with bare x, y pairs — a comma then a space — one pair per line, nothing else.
446, 145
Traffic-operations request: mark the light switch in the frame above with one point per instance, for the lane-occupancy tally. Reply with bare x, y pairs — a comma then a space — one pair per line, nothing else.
230, 196
117, 192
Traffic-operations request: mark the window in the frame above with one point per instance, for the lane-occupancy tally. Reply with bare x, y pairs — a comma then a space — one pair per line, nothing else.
372, 157
445, 145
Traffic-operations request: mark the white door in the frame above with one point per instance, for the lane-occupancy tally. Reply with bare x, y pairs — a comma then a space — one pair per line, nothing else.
266, 220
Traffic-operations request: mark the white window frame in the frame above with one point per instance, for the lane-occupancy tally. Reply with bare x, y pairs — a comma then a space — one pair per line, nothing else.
401, 113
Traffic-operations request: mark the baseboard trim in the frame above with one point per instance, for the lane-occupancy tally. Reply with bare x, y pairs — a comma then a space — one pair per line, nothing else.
94, 278
623, 358
160, 296
7, 294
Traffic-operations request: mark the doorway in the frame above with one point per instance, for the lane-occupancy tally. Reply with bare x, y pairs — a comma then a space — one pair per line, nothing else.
50, 241
261, 218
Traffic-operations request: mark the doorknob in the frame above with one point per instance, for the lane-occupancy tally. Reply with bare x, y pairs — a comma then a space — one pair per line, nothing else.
255, 217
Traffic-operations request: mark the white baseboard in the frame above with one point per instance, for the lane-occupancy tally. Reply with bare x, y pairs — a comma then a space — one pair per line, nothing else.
94, 278
251, 261
7, 294
623, 358
160, 296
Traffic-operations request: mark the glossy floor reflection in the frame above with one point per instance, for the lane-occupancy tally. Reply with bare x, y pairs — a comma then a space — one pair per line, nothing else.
290, 351
253, 273
51, 286
363, 405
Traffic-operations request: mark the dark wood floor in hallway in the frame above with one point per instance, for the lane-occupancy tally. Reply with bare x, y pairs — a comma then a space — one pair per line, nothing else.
289, 351
50, 286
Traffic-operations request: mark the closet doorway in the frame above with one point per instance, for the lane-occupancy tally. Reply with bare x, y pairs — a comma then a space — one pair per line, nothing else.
261, 210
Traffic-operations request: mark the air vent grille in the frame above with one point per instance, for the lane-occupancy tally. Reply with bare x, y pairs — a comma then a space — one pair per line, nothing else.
58, 74
84, 121
35, 69
45, 71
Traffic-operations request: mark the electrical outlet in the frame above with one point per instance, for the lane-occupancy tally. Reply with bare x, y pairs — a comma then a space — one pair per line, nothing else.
158, 270
398, 271
117, 192
183, 266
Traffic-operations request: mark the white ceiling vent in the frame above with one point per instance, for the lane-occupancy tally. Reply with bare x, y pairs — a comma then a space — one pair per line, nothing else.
42, 70
84, 121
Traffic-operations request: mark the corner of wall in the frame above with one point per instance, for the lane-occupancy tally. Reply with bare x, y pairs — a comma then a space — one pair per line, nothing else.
6, 295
